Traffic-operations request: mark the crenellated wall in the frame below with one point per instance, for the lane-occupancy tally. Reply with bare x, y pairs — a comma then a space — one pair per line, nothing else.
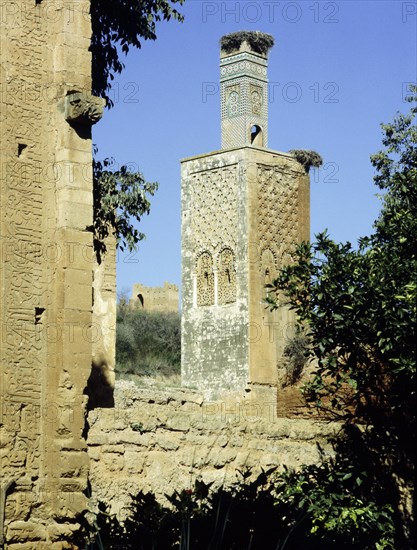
155, 298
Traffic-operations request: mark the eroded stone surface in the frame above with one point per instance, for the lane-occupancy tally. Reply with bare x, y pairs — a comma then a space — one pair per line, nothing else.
46, 271
244, 209
189, 438
155, 298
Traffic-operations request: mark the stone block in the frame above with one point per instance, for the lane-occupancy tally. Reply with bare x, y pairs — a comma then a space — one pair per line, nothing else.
114, 462
61, 532
179, 422
80, 297
94, 453
24, 531
168, 442
75, 215
223, 457
134, 461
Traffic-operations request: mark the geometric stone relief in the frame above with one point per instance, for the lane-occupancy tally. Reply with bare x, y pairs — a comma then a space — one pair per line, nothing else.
226, 273
277, 212
214, 209
256, 99
232, 101
205, 280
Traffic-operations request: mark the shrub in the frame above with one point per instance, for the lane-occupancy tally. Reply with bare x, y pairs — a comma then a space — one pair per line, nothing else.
148, 343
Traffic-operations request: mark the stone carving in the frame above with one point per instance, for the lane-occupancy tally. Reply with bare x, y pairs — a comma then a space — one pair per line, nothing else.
244, 71
226, 274
232, 93
4, 487
46, 315
205, 280
83, 108
277, 213
214, 206
256, 99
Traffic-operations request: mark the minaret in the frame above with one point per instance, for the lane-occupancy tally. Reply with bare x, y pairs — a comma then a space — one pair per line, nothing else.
244, 89
243, 210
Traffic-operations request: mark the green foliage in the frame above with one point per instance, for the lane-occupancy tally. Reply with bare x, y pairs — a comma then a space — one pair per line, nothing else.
360, 307
260, 42
240, 518
119, 195
118, 25
148, 343
316, 509
336, 503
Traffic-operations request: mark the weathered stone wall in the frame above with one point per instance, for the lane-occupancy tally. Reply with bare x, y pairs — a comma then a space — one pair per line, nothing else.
46, 114
244, 209
215, 317
162, 440
102, 378
242, 212
155, 298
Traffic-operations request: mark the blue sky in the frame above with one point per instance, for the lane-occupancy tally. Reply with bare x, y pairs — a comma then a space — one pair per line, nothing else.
337, 70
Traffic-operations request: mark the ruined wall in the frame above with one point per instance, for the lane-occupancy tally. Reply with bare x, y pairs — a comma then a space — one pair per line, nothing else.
162, 440
101, 381
155, 298
46, 113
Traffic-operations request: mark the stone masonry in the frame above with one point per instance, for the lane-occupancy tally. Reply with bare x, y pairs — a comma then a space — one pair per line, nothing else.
162, 440
155, 298
243, 210
47, 261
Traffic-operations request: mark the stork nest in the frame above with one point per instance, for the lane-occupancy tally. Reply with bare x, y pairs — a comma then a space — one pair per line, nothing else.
307, 158
259, 42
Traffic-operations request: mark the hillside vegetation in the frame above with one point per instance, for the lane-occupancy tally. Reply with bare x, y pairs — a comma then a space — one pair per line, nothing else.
148, 344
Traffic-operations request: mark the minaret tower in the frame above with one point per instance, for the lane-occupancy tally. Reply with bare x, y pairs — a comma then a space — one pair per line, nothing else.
244, 90
243, 210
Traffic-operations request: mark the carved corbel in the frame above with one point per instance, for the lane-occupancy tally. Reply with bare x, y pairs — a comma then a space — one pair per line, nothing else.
82, 108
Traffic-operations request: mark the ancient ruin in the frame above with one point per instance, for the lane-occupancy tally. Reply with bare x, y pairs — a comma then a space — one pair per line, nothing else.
243, 209
47, 325
155, 298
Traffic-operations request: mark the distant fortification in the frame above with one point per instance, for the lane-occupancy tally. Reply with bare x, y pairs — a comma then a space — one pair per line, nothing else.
155, 298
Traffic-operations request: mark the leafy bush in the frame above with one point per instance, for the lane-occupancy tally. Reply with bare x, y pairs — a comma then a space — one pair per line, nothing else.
359, 306
272, 512
147, 343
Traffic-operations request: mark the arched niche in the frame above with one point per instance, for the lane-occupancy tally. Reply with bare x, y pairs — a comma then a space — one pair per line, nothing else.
205, 280
226, 272
256, 136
